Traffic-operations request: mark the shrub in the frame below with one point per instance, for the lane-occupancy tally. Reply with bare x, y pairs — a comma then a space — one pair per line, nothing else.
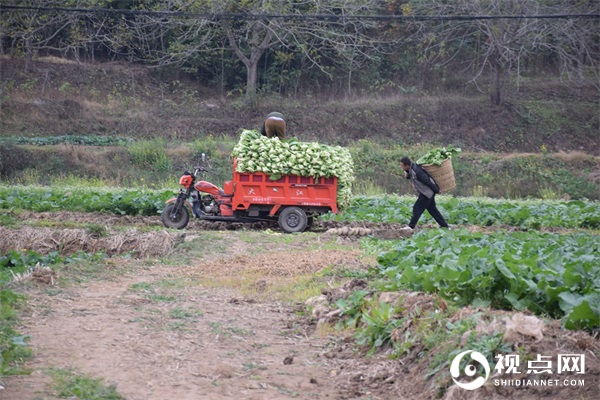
150, 154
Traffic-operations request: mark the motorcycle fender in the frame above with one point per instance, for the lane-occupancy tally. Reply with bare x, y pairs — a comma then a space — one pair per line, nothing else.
186, 203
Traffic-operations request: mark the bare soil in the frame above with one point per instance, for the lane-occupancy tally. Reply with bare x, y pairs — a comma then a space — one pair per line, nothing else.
214, 324
173, 337
234, 349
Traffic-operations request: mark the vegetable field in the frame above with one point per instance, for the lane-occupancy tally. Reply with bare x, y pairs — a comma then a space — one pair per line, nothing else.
85, 140
549, 274
111, 200
526, 214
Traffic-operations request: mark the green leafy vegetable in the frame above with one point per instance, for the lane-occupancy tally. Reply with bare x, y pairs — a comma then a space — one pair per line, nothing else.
546, 273
114, 200
526, 214
257, 153
437, 156
85, 140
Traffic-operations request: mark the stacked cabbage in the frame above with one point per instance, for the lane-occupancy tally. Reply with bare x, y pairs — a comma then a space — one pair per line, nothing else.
257, 153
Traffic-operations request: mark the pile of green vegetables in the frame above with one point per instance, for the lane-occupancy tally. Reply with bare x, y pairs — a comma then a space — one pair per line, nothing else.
437, 156
257, 153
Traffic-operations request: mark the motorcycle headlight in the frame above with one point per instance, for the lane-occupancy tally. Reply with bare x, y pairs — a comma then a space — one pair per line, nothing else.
186, 181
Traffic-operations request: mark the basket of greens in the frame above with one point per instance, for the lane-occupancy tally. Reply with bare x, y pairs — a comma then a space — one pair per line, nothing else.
438, 163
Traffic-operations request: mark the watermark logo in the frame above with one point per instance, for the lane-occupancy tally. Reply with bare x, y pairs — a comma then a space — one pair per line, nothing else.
508, 371
470, 370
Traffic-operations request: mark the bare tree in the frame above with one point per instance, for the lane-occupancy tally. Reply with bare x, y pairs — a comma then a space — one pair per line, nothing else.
345, 40
342, 40
161, 39
33, 30
575, 42
502, 46
250, 48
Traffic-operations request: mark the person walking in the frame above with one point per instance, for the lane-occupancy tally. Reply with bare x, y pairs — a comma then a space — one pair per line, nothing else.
274, 125
427, 189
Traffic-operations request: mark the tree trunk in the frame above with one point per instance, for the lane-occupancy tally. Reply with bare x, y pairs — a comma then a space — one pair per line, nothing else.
251, 78
499, 72
350, 81
28, 53
13, 44
222, 88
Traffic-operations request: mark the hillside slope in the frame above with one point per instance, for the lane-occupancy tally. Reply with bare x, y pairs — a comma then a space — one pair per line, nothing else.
59, 97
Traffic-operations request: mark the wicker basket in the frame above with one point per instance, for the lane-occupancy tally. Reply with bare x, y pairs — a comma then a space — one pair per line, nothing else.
443, 174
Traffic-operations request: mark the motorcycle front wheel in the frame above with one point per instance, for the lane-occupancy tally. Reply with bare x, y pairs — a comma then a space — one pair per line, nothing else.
175, 219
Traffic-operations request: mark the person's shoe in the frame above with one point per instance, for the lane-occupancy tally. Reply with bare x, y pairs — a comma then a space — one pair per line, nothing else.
406, 231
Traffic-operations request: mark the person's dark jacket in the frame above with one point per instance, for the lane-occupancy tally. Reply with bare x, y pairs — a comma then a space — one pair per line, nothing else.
422, 181
263, 129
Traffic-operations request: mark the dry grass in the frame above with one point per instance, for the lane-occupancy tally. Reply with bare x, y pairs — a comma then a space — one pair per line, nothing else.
573, 156
63, 218
565, 156
254, 287
56, 60
280, 263
70, 241
288, 276
180, 152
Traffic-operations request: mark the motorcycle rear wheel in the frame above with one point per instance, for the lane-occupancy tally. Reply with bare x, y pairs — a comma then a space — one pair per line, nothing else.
179, 220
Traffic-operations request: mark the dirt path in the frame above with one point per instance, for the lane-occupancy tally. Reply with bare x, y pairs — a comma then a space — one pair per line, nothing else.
167, 329
204, 345
218, 318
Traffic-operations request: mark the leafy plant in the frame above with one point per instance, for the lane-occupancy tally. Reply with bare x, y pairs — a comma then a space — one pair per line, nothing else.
352, 308
527, 214
379, 321
20, 261
68, 384
117, 201
548, 274
275, 157
13, 350
14, 261
438, 155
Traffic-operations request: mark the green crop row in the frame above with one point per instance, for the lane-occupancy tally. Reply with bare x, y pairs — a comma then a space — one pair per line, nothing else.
532, 214
68, 139
117, 201
548, 274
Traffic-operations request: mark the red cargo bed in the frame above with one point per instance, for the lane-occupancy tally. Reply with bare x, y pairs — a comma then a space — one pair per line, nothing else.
257, 188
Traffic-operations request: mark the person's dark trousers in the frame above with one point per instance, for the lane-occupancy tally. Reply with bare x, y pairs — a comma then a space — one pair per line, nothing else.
422, 204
